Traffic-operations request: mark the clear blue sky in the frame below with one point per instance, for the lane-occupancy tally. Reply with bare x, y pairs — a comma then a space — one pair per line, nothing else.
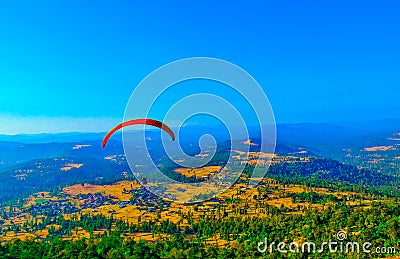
318, 61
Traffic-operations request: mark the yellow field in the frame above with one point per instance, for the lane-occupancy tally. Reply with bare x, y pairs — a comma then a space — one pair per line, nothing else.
116, 190
248, 142
199, 172
190, 191
379, 148
68, 167
22, 236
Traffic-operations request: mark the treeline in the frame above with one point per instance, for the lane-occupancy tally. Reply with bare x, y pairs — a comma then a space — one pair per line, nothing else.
112, 246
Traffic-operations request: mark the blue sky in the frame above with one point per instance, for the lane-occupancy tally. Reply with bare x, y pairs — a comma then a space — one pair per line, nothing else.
72, 65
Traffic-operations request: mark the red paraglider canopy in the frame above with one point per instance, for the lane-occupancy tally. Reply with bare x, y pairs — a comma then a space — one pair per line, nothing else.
151, 122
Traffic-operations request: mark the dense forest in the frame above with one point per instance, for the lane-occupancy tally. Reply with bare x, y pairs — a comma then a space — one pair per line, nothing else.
376, 225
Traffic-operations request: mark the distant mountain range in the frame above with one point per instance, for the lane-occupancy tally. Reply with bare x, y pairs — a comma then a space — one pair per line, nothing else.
25, 159
323, 139
49, 137
286, 132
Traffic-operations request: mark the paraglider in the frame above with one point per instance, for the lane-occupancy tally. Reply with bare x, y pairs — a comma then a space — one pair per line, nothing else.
151, 122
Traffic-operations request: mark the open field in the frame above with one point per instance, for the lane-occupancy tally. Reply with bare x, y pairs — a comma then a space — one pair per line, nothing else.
202, 172
69, 166
379, 148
